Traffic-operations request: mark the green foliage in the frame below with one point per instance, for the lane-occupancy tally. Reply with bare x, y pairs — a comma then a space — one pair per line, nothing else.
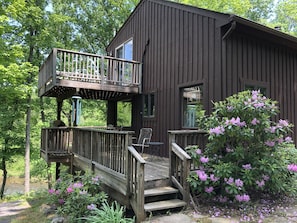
247, 153
76, 196
113, 213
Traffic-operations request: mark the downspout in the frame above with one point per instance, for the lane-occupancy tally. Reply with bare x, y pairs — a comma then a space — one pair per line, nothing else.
230, 30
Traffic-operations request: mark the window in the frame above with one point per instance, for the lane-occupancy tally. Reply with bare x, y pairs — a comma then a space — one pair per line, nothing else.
149, 105
256, 88
125, 51
192, 106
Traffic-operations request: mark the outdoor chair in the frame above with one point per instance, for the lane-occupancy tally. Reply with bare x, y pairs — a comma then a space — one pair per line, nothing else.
144, 138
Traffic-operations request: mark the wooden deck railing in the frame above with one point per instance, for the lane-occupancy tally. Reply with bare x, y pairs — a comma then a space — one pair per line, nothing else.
180, 162
84, 67
107, 153
56, 140
136, 182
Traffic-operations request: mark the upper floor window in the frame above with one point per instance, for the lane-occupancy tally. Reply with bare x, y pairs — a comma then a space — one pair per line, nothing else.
149, 105
125, 51
192, 106
256, 88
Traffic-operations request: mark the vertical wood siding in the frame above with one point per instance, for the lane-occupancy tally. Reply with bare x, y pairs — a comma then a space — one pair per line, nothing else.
255, 62
181, 53
186, 48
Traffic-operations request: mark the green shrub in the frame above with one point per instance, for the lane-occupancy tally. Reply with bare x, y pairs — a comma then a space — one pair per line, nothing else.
75, 196
113, 213
247, 153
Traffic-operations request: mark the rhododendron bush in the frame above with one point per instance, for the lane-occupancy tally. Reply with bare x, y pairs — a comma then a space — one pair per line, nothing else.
247, 153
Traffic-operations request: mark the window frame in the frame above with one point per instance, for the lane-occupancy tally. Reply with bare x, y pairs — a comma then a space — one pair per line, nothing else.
122, 45
182, 88
150, 108
255, 85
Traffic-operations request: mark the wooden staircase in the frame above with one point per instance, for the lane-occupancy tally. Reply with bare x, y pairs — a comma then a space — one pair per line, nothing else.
162, 199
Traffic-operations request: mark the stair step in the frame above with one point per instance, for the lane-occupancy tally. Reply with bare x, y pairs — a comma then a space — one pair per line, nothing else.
159, 191
161, 205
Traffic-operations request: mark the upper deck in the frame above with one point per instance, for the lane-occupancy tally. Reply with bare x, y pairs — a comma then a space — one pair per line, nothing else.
65, 73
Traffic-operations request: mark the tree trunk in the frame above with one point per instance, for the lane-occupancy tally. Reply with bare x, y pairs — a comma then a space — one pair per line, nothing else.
4, 177
27, 148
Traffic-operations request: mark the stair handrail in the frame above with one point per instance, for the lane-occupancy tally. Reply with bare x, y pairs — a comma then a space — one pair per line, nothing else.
179, 170
135, 181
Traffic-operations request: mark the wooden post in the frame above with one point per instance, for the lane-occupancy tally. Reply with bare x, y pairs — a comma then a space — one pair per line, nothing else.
112, 113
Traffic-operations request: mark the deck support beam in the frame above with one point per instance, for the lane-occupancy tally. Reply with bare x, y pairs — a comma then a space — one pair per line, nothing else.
112, 111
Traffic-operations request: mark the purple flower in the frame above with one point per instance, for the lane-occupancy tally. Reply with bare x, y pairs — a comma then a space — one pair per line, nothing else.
259, 105
204, 159
91, 207
280, 140
255, 121
51, 191
202, 175
198, 151
239, 183
260, 183
69, 190
270, 143
292, 167
219, 130
265, 177
235, 121
230, 108
229, 181
95, 180
242, 198
213, 178
61, 201
223, 199
57, 192
229, 150
247, 166
78, 185
208, 189
288, 139
283, 123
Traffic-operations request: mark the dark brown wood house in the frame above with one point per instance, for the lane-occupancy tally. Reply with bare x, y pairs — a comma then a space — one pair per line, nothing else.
191, 56
169, 61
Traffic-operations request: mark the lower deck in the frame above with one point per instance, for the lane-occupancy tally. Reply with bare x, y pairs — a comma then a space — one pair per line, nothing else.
134, 180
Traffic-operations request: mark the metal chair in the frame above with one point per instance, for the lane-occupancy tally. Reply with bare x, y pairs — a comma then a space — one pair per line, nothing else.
144, 138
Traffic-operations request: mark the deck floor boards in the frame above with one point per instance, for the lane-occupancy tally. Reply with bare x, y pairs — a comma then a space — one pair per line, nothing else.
156, 168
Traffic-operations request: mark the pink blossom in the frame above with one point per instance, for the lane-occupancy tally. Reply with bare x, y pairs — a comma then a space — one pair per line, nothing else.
78, 185
247, 166
208, 189
283, 123
223, 199
229, 150
91, 207
213, 178
239, 183
288, 139
202, 175
259, 105
255, 121
292, 167
58, 192
235, 121
69, 190
265, 177
270, 143
198, 151
229, 181
204, 159
280, 140
260, 183
242, 198
219, 130
61, 201
51, 191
